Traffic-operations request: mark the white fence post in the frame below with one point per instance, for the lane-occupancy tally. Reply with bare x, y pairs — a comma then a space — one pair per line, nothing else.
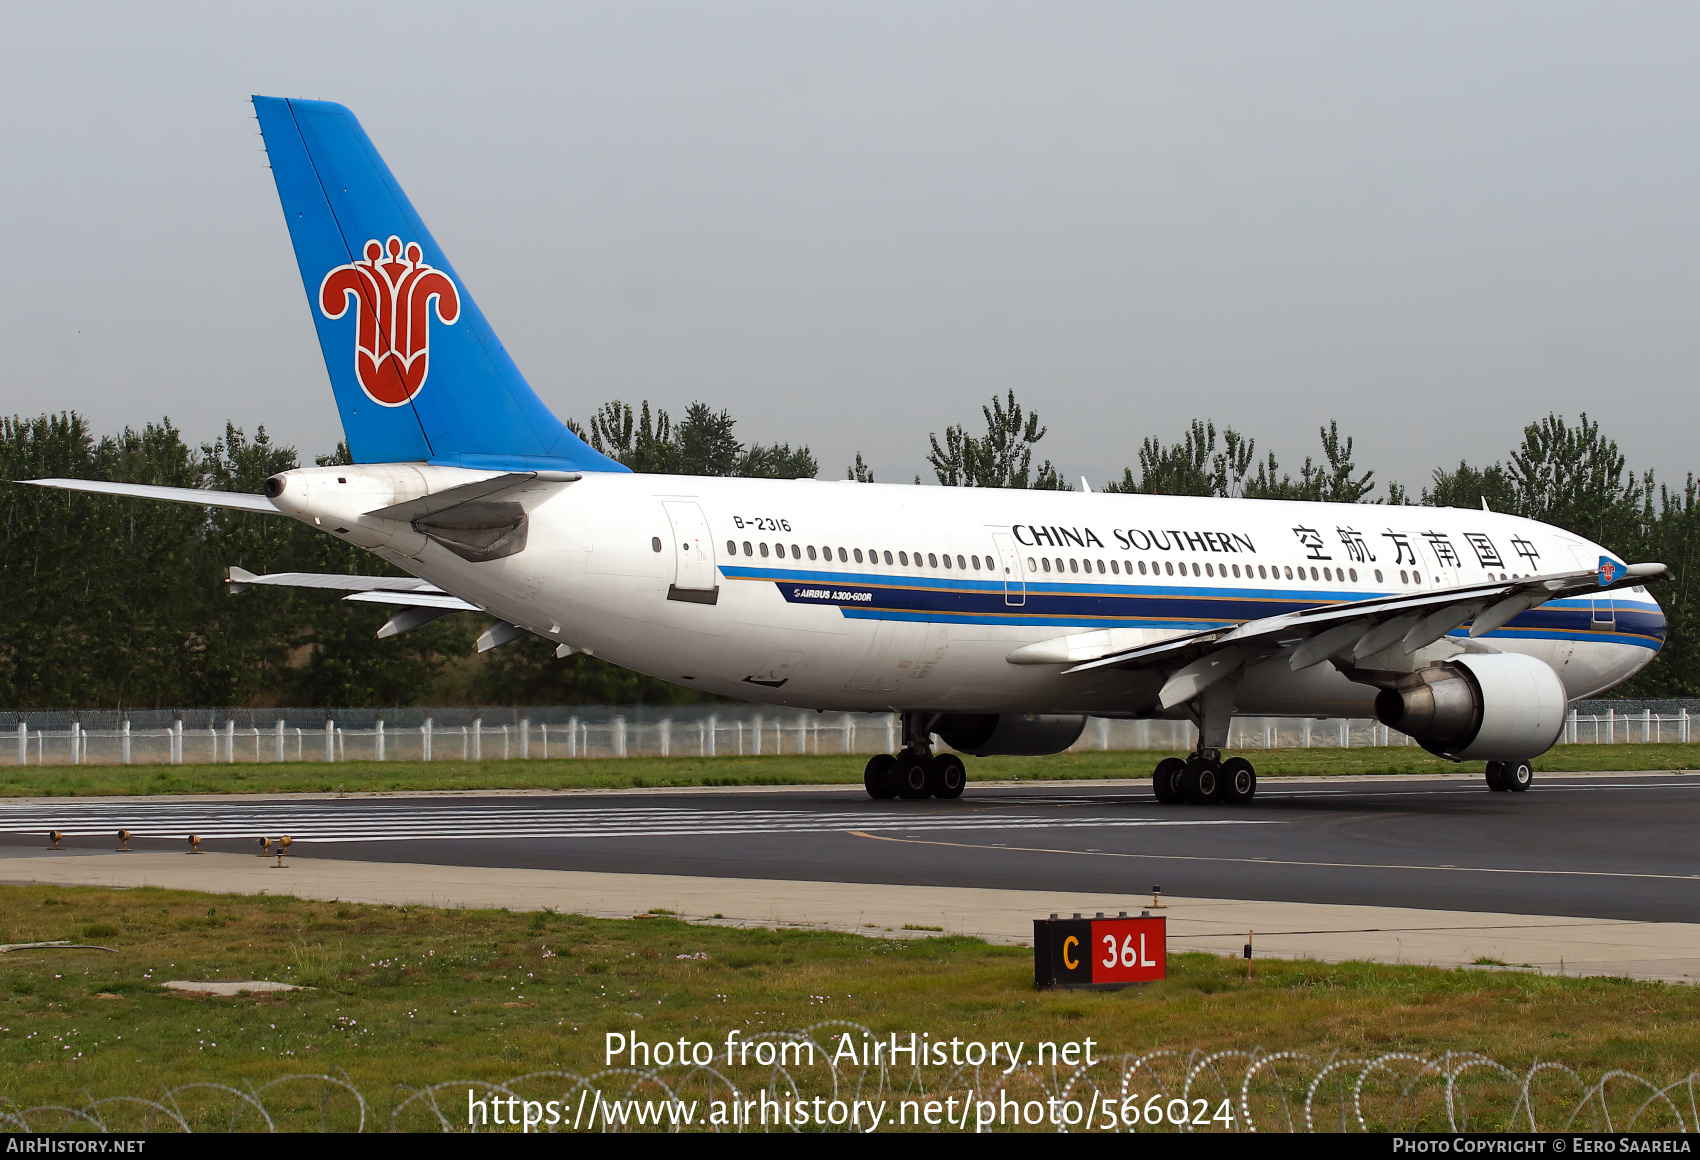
714, 728
666, 731
23, 743
125, 734
330, 739
619, 736
177, 742
74, 748
279, 749
755, 730
524, 738
478, 739
425, 739
849, 733
378, 740
572, 737
1307, 732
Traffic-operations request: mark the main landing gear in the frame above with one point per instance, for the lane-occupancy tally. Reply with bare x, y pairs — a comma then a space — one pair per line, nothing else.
1510, 776
915, 771
1204, 779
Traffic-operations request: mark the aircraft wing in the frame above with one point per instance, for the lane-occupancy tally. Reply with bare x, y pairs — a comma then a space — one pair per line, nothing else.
196, 495
1356, 630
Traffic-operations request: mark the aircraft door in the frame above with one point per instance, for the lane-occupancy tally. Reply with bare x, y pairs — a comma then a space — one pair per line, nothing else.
693, 551
1014, 579
1605, 615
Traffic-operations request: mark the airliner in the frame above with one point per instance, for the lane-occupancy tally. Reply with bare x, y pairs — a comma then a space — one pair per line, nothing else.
992, 621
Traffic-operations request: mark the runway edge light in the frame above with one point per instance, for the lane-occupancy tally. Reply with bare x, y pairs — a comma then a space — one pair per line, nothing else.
1099, 953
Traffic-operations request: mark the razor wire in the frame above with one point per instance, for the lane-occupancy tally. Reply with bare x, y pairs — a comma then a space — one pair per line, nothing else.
1265, 1091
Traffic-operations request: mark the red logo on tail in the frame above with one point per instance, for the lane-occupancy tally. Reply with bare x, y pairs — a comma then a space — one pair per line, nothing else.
392, 294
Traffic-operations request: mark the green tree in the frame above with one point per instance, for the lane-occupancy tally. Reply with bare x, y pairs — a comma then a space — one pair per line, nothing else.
1003, 457
702, 443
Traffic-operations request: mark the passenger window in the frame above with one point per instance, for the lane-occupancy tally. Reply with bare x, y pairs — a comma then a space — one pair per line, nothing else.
747, 550
858, 555
1378, 575
1031, 566
811, 551
796, 552
763, 549
1354, 574
1101, 567
1073, 566
1142, 567
843, 556
1195, 569
1404, 577
932, 560
731, 547
1170, 567
1416, 577
1261, 574
961, 563
903, 558
1236, 571
888, 557
975, 560
1047, 562
1209, 569
1289, 573
1313, 575
947, 560
1328, 574
1115, 567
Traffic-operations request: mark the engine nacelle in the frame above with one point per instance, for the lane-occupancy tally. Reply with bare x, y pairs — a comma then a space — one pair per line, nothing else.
1485, 706
1010, 734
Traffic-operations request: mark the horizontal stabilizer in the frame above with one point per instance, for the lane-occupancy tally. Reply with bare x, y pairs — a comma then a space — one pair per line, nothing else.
496, 487
195, 495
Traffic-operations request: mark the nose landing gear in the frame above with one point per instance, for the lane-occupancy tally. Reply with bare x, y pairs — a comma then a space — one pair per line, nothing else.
1510, 776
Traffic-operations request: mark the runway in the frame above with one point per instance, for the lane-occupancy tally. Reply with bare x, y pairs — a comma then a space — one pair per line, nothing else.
1598, 846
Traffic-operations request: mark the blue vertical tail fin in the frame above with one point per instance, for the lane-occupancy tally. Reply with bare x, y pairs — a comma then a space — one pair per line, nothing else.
417, 372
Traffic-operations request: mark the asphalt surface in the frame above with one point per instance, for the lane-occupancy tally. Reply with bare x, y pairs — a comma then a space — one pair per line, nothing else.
1590, 846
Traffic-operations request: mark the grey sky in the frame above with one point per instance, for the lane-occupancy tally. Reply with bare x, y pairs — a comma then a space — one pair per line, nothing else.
852, 224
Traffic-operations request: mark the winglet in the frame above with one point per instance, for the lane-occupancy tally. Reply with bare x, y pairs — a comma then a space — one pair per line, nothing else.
1611, 571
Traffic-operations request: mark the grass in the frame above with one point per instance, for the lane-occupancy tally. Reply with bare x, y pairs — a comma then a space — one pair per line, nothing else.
791, 769
416, 995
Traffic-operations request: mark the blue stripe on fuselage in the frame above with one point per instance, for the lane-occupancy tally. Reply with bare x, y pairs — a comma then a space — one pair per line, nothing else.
872, 596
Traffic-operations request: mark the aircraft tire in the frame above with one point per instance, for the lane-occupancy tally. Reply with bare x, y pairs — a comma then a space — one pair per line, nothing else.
1496, 776
1239, 781
877, 777
947, 776
1517, 776
1201, 783
1163, 781
910, 777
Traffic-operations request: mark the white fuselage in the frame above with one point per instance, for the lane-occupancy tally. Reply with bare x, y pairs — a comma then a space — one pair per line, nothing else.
837, 595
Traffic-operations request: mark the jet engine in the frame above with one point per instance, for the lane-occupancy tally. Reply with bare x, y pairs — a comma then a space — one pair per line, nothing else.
1009, 734
1486, 706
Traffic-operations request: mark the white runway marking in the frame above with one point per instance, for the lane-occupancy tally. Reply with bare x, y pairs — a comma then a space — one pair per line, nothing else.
415, 822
